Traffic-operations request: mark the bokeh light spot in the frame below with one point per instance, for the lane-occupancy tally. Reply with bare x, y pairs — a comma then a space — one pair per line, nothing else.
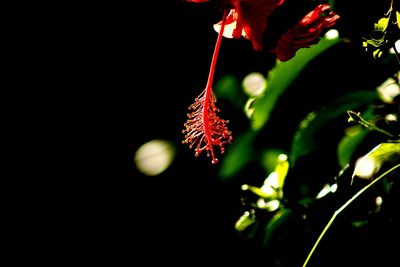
154, 157
391, 117
378, 201
365, 167
331, 34
254, 84
388, 90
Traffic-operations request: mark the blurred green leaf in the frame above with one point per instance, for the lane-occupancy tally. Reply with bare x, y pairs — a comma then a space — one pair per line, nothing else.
348, 145
383, 153
398, 18
273, 184
382, 24
305, 139
229, 88
257, 191
273, 225
281, 77
251, 231
358, 224
282, 169
247, 219
269, 159
270, 206
354, 137
238, 155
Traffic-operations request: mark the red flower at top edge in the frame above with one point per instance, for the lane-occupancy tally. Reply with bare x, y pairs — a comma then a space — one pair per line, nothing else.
305, 33
247, 18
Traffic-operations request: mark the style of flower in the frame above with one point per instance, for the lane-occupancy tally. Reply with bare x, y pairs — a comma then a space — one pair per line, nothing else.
305, 33
205, 130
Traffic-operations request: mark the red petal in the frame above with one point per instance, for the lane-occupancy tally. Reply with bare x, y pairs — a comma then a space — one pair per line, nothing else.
305, 33
253, 15
230, 25
248, 18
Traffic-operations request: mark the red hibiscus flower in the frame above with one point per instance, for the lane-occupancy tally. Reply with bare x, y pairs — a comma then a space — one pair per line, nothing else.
305, 33
247, 18
204, 129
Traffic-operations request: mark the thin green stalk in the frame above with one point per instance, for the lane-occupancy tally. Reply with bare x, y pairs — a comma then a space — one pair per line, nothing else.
336, 213
357, 118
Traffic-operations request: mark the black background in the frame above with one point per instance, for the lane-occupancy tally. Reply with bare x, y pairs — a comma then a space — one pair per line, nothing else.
139, 67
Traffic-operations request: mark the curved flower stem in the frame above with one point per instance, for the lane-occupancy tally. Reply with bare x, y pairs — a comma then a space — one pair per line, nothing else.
336, 213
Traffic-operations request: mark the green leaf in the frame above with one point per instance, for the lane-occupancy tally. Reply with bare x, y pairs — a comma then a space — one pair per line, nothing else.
354, 136
276, 179
348, 145
398, 18
238, 155
257, 191
382, 24
375, 43
270, 205
273, 184
382, 154
377, 53
269, 159
281, 77
273, 225
360, 223
228, 88
306, 137
247, 219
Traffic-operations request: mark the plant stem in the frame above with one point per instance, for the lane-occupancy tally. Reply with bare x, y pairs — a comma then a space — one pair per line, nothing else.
357, 118
336, 213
